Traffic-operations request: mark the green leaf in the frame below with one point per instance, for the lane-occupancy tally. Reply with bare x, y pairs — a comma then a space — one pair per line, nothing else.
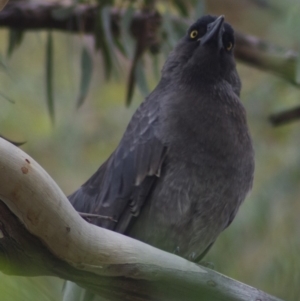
15, 38
49, 75
86, 75
106, 21
126, 38
120, 46
140, 77
101, 43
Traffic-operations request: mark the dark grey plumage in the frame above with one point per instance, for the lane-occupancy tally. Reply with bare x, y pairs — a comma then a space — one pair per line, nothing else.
185, 162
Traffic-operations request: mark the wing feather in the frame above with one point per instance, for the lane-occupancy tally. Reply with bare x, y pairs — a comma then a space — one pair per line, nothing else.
121, 185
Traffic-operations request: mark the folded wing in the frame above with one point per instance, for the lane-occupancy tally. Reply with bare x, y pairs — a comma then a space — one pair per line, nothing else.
122, 184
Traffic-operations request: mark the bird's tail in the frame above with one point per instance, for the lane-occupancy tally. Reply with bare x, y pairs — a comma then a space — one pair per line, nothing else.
73, 292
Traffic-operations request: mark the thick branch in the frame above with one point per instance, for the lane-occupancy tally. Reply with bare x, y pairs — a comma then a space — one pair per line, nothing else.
81, 18
41, 234
265, 56
35, 16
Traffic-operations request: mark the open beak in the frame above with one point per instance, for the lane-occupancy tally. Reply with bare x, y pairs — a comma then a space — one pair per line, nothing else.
214, 32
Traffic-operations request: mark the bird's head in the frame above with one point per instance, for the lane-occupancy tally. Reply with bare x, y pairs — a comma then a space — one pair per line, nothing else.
204, 54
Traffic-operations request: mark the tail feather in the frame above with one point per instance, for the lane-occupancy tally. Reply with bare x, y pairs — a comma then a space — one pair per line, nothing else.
73, 292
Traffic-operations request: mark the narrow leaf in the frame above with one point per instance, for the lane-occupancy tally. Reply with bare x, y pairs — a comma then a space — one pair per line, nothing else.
15, 38
86, 75
101, 43
105, 15
106, 23
120, 46
49, 75
127, 40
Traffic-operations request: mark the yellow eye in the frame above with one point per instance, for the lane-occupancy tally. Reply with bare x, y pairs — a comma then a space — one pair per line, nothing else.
194, 34
229, 46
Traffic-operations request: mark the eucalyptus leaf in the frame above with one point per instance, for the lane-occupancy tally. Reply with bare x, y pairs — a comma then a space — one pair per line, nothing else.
15, 38
86, 75
106, 22
49, 75
120, 46
101, 43
127, 40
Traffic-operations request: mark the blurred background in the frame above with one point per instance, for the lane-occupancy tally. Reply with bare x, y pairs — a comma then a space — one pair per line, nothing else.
262, 246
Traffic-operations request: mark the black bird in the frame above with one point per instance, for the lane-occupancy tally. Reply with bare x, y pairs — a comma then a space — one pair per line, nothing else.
185, 162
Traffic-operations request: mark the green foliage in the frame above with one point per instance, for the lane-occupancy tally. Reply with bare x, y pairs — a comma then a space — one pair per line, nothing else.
104, 40
86, 75
126, 38
15, 38
109, 44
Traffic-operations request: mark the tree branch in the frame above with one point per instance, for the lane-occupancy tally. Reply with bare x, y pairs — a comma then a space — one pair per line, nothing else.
42, 234
285, 117
265, 56
81, 18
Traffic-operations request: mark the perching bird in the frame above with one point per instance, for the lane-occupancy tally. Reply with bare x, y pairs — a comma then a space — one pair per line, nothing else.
186, 161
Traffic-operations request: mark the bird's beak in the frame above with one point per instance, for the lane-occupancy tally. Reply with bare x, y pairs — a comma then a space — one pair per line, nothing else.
214, 32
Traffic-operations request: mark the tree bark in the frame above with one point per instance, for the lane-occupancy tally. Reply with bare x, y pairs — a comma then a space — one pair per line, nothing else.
42, 234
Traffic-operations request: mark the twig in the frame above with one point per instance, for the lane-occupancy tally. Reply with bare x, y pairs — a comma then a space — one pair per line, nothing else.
285, 116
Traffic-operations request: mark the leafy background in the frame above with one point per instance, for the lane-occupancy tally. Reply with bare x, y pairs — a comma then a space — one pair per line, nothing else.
262, 246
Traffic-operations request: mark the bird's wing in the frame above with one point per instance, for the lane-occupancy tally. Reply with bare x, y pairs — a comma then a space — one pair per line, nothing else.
120, 186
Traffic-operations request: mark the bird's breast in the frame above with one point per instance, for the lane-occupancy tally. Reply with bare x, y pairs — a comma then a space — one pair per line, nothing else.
207, 173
